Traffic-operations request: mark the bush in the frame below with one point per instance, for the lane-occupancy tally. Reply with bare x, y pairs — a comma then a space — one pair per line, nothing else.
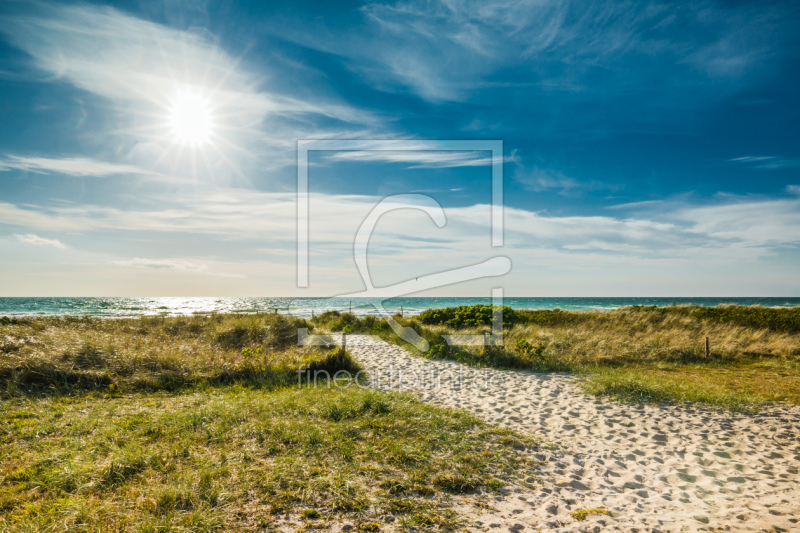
527, 349
775, 319
468, 316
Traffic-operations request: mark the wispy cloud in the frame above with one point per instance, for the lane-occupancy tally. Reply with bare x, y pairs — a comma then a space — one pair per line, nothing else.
417, 154
734, 234
757, 225
446, 51
765, 162
77, 166
637, 205
175, 264
540, 179
418, 158
35, 240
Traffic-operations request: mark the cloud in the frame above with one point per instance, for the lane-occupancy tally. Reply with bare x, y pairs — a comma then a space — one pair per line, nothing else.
636, 205
793, 189
451, 51
238, 224
765, 162
674, 229
539, 179
758, 224
420, 153
140, 67
35, 240
175, 264
78, 166
417, 158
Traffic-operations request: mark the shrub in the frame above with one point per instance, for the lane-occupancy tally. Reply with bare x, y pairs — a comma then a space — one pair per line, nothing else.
527, 349
468, 316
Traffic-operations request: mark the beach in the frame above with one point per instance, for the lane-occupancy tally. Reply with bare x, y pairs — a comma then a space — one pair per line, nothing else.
652, 467
230, 422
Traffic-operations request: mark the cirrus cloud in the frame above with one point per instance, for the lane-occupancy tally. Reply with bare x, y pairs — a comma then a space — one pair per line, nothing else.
30, 238
175, 264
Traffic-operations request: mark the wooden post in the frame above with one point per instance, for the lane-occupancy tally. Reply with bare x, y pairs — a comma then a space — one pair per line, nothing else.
708, 351
344, 343
312, 314
485, 345
351, 307
401, 311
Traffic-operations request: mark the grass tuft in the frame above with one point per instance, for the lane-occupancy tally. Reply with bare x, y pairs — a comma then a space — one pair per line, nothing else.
581, 514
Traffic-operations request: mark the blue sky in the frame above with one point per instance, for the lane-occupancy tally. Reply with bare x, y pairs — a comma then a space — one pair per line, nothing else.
651, 148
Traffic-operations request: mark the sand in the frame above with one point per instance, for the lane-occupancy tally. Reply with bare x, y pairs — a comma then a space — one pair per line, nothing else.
654, 468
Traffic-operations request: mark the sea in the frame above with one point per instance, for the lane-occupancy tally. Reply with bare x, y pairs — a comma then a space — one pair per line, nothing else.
123, 307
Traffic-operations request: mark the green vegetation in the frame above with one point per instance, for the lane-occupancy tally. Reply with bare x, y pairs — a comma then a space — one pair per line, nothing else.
198, 424
241, 458
637, 354
72, 355
469, 316
581, 514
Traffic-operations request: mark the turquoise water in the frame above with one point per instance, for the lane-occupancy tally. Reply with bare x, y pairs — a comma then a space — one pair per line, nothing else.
303, 307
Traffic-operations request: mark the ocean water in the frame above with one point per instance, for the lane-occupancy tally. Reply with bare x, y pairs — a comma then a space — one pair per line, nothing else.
303, 307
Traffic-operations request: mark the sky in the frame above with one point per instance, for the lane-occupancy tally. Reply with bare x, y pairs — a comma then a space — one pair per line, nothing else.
149, 148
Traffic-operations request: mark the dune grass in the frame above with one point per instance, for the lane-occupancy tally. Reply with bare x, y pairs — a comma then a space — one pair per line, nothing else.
638, 354
200, 424
63, 355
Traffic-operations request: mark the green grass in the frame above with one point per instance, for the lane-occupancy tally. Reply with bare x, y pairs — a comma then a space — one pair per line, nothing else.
636, 354
741, 387
242, 458
581, 514
200, 424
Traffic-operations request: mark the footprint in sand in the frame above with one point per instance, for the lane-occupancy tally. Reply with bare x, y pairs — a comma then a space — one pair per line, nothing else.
737, 471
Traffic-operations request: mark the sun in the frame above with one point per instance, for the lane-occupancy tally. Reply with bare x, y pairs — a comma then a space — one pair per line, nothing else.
191, 118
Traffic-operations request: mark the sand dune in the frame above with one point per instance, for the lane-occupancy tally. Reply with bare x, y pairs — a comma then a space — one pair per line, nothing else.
654, 468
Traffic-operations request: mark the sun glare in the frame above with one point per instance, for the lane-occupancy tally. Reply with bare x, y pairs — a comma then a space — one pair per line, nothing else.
191, 119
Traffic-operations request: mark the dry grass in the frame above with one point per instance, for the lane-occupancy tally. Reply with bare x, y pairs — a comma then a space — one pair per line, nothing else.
68, 355
627, 336
639, 354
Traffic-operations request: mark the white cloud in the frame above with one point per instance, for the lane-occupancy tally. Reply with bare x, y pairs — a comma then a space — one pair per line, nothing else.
636, 205
77, 166
255, 232
764, 162
35, 240
756, 224
243, 215
539, 179
175, 264
448, 51
418, 154
417, 158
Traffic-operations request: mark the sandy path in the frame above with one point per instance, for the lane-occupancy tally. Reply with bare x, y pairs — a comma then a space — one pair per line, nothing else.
656, 468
